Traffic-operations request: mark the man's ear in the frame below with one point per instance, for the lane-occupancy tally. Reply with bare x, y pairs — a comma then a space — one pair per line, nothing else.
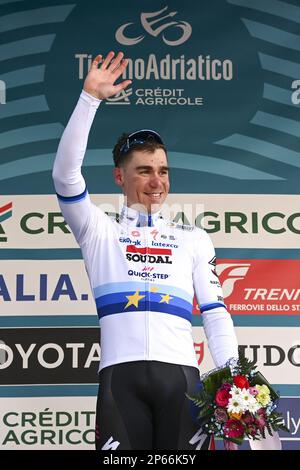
118, 176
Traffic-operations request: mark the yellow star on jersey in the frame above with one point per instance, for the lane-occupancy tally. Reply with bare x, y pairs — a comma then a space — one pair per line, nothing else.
153, 289
134, 299
165, 298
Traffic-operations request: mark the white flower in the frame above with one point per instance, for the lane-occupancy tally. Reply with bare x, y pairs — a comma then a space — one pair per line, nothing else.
253, 406
245, 395
235, 391
247, 399
235, 405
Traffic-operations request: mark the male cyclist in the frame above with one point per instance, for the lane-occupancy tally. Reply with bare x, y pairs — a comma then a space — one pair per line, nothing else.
144, 271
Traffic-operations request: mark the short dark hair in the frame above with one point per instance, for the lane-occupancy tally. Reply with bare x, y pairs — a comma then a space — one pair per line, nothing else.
149, 145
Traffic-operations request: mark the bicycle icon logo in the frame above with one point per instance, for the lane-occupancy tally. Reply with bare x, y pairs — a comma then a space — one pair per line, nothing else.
149, 22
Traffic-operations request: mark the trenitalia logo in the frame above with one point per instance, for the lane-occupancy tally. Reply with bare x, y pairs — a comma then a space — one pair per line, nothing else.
5, 213
266, 287
231, 273
261, 286
150, 255
155, 25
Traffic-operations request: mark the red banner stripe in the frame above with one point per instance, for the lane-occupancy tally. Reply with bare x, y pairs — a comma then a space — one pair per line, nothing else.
148, 251
6, 207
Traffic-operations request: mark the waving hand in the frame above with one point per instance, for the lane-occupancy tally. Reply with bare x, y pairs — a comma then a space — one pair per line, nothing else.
100, 81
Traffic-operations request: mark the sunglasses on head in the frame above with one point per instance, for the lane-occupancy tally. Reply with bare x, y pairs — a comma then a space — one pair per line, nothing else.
140, 137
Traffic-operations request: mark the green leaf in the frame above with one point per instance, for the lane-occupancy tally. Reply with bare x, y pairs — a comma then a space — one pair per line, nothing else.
236, 440
213, 382
245, 366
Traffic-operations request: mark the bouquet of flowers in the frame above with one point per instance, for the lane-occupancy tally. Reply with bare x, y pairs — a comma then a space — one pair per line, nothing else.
236, 401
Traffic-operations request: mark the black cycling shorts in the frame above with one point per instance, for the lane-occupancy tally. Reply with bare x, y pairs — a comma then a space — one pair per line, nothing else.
142, 405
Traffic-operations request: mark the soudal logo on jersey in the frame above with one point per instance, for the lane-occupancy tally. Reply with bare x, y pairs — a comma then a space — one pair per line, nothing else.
148, 255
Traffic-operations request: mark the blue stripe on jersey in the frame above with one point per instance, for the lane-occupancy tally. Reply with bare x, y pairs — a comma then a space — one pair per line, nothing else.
118, 308
206, 307
121, 298
72, 199
119, 287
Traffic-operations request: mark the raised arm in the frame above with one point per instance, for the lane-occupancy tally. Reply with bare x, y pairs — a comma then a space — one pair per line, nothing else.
69, 183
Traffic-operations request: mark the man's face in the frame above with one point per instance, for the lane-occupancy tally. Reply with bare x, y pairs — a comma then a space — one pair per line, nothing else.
145, 179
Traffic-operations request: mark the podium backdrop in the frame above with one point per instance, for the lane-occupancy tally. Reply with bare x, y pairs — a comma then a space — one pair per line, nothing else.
220, 80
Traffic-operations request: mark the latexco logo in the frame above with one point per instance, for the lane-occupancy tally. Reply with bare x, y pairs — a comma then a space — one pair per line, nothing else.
156, 24
230, 273
5, 213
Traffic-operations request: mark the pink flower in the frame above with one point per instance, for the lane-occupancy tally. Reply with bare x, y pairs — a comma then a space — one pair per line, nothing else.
233, 428
253, 391
222, 398
248, 418
221, 415
260, 418
252, 429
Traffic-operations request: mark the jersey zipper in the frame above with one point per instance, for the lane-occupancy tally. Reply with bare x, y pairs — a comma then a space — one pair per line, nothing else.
147, 290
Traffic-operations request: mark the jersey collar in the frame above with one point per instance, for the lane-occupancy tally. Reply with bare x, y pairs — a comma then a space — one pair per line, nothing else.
139, 219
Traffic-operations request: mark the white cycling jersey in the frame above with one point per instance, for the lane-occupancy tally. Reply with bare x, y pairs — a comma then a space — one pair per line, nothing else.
143, 270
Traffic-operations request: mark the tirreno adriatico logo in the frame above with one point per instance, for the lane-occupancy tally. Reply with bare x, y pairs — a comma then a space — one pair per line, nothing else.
156, 24
5, 213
